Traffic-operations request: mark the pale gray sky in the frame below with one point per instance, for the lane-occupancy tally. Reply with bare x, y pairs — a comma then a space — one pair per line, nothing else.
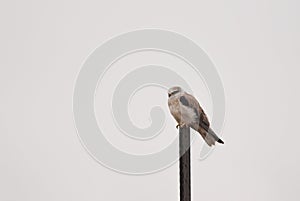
254, 46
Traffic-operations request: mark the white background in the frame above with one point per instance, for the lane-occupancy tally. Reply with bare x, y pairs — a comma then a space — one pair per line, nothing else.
255, 46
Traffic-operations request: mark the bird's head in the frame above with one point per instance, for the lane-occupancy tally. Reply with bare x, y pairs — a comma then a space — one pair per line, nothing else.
174, 90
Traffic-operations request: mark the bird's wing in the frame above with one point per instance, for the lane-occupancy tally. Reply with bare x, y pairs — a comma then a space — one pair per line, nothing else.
190, 101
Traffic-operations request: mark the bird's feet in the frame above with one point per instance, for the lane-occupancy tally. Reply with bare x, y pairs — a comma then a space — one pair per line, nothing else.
180, 125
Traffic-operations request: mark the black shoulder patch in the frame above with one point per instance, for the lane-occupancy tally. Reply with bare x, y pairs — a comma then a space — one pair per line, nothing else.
184, 101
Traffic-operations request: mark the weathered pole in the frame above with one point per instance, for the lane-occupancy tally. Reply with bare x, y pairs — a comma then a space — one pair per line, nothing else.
184, 164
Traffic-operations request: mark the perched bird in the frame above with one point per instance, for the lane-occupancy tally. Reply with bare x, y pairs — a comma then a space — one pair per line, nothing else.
187, 112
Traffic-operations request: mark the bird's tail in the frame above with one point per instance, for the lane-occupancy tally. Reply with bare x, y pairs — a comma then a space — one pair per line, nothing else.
210, 137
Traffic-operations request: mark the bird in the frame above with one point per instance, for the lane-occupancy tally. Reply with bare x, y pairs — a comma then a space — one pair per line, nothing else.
188, 113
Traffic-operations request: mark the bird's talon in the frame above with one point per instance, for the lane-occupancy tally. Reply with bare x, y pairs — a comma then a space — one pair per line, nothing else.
183, 125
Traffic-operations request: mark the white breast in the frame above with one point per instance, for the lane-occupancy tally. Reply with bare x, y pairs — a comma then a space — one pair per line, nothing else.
181, 113
188, 114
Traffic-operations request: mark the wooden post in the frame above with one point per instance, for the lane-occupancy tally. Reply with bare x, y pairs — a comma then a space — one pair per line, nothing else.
185, 164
